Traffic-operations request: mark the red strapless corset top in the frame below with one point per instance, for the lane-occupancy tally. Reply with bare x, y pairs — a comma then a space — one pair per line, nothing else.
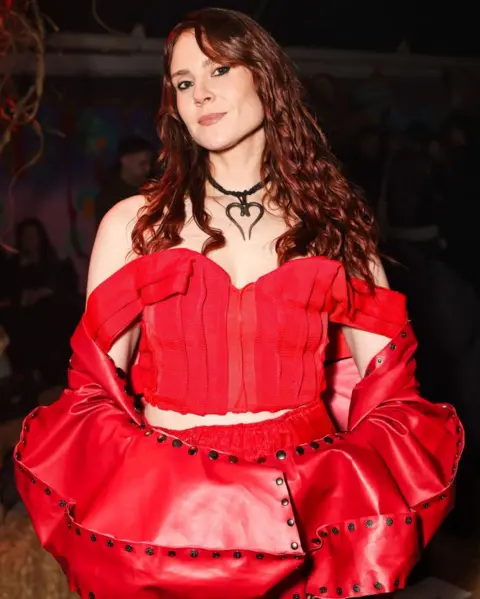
208, 347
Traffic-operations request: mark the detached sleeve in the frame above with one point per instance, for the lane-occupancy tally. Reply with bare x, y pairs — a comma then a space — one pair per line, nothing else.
352, 303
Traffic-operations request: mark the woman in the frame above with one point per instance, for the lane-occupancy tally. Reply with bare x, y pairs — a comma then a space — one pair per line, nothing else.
233, 480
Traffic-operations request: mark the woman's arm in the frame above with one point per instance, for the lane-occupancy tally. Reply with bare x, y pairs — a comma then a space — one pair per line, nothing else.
364, 345
112, 250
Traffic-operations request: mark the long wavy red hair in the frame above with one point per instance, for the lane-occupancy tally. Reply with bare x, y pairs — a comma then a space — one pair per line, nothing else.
325, 215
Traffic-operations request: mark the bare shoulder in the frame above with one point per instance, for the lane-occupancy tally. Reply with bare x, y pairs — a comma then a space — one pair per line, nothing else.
113, 243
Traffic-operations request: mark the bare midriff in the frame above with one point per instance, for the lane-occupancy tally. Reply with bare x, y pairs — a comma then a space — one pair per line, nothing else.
174, 421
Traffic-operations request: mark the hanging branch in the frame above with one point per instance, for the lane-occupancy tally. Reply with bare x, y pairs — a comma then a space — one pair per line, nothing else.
21, 31
102, 23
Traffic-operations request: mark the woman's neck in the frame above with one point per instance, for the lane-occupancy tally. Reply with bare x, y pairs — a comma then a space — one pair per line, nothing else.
239, 167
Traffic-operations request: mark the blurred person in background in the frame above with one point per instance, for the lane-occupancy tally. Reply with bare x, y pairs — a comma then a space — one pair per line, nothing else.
135, 158
43, 289
412, 211
460, 221
366, 164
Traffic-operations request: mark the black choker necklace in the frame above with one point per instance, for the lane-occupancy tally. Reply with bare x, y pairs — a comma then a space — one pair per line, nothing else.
243, 205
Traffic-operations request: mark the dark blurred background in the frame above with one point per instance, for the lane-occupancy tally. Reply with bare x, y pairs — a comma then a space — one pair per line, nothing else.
430, 27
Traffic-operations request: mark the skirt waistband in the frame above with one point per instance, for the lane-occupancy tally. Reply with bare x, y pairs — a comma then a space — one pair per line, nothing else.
255, 440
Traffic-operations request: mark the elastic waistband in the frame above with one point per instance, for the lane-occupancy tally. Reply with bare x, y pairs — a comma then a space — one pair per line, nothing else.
252, 441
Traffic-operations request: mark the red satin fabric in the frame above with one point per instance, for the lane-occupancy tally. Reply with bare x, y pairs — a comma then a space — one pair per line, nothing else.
130, 511
210, 348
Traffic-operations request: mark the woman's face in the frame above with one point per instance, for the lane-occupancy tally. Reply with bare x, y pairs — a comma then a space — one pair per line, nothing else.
218, 104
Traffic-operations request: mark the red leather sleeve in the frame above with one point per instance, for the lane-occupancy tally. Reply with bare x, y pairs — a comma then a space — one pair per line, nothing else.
393, 464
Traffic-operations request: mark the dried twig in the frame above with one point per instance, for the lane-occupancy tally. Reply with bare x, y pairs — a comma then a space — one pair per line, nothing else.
21, 31
102, 23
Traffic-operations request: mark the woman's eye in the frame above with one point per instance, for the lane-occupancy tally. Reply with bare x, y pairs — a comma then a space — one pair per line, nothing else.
183, 85
220, 71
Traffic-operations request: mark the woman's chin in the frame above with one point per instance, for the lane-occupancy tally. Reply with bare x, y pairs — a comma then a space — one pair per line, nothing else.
251, 139
218, 146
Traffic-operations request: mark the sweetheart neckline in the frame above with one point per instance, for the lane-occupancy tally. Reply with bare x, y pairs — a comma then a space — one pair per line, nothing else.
267, 275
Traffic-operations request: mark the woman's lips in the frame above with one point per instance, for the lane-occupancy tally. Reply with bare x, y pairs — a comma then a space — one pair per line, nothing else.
211, 119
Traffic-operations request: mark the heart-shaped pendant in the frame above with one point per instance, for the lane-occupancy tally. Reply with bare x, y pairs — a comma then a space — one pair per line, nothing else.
244, 208
243, 205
